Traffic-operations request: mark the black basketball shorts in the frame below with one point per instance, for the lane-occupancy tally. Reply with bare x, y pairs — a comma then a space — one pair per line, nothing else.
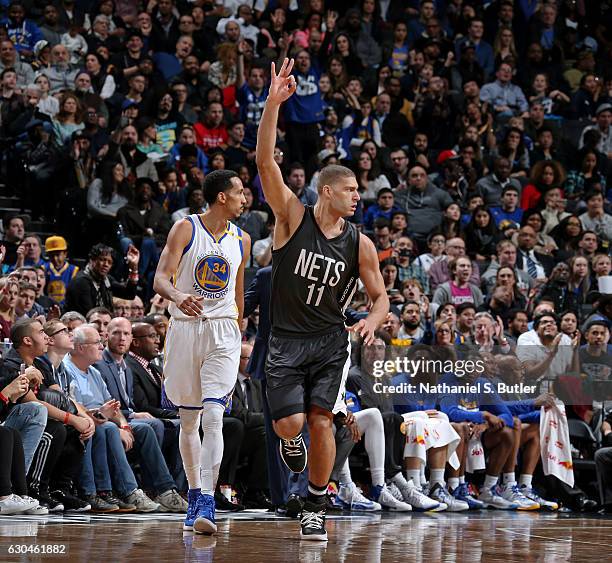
306, 371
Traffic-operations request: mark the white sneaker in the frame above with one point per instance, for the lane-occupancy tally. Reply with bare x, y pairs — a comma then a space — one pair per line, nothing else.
14, 504
441, 495
390, 501
532, 494
350, 497
415, 498
513, 494
141, 501
492, 499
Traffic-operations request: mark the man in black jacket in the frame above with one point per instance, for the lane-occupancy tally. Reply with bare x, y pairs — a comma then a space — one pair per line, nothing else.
94, 287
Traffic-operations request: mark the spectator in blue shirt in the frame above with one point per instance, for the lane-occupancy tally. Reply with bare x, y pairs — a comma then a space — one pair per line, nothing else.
384, 207
505, 98
509, 209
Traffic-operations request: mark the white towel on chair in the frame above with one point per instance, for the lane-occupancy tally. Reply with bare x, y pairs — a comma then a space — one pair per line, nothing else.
424, 432
475, 456
555, 447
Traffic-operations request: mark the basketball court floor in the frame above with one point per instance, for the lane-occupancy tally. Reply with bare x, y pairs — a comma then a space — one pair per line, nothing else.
255, 536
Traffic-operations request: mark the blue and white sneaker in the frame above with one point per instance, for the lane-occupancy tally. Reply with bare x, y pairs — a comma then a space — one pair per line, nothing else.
192, 508
492, 499
462, 492
439, 493
513, 494
349, 497
205, 516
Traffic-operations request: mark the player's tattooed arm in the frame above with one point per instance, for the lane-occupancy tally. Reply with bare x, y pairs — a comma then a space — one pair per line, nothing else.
370, 275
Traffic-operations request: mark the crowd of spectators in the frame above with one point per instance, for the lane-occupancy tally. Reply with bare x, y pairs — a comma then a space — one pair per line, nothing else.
480, 133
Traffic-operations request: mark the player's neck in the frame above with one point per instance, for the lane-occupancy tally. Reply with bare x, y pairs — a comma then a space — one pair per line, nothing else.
327, 219
214, 222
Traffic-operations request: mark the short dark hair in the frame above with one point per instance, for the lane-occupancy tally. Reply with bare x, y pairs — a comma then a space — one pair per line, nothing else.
100, 250
384, 191
101, 310
25, 286
21, 330
331, 173
216, 182
538, 319
464, 306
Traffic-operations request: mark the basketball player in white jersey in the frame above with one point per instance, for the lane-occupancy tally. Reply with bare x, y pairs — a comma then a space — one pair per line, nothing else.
201, 271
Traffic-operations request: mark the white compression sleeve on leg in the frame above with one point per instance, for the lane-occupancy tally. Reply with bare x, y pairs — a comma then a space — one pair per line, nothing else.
190, 445
370, 424
212, 445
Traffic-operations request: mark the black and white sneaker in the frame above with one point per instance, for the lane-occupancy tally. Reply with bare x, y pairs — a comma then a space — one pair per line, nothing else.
70, 502
312, 522
294, 453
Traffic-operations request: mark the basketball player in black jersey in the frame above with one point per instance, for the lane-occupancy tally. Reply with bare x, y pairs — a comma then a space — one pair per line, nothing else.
317, 259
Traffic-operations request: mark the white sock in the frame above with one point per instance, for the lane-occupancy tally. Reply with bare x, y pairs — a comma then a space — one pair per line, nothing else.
344, 478
490, 481
212, 445
415, 476
400, 480
461, 479
453, 483
370, 424
190, 446
423, 477
525, 479
509, 479
436, 476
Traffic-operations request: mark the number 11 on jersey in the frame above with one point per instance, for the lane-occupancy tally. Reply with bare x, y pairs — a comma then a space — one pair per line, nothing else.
311, 291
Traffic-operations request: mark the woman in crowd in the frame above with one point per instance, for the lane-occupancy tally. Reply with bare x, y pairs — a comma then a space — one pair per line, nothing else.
568, 323
343, 46
369, 177
555, 102
102, 82
506, 277
9, 292
567, 234
554, 210
437, 244
389, 271
69, 118
481, 235
106, 195
583, 180
451, 222
504, 45
47, 104
545, 175
513, 148
147, 135
580, 278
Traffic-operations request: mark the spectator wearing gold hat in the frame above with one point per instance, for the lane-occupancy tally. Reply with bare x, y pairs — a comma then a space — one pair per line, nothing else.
58, 270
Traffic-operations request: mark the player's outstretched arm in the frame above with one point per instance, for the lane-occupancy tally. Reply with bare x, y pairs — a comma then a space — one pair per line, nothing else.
370, 275
246, 245
178, 239
281, 199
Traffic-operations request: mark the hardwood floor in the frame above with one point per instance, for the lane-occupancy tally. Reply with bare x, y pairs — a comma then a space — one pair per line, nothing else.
251, 537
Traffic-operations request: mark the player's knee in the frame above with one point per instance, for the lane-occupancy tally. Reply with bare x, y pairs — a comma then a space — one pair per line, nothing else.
190, 420
212, 417
319, 422
507, 436
290, 426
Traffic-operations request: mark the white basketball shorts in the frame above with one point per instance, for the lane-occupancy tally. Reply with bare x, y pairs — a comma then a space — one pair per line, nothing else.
201, 360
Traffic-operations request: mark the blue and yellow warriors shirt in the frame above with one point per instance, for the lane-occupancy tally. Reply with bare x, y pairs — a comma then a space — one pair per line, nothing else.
58, 280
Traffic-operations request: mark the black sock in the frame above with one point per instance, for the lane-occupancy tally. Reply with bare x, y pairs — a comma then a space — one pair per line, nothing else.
316, 494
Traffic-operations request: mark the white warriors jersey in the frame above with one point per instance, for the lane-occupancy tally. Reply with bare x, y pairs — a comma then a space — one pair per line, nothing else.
208, 268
